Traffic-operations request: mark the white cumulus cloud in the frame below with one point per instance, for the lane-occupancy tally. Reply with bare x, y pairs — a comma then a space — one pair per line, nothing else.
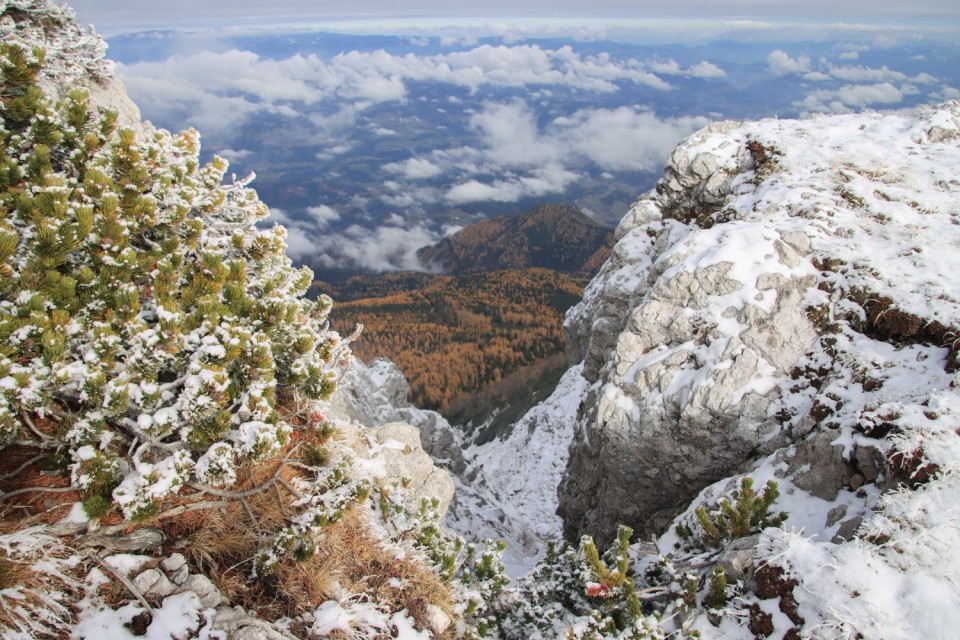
782, 64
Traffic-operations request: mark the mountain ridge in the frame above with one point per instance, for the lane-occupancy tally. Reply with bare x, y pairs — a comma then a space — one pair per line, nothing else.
557, 237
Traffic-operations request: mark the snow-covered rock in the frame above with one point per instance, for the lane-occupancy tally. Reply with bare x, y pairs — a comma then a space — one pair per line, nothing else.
767, 255
783, 306
391, 437
509, 488
377, 393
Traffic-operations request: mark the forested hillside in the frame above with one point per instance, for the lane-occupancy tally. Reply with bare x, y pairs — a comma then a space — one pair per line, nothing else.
463, 337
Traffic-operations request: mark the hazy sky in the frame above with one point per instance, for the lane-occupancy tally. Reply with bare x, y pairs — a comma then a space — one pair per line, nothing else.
110, 16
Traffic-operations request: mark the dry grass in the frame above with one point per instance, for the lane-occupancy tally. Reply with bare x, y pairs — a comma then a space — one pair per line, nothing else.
349, 559
35, 599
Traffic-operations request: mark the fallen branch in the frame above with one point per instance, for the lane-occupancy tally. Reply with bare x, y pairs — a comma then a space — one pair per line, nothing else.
44, 438
122, 578
26, 464
18, 492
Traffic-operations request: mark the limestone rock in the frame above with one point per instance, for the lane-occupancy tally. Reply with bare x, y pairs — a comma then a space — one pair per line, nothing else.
817, 466
739, 557
686, 349
153, 584
237, 624
397, 448
175, 566
376, 394
201, 585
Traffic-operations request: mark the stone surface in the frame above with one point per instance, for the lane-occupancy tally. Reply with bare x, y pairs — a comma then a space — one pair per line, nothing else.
175, 566
817, 466
152, 583
237, 624
684, 353
201, 585
397, 448
738, 558
398, 440
847, 529
376, 394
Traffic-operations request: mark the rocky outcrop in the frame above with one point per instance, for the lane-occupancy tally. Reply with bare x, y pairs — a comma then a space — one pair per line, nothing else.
377, 393
74, 58
396, 438
707, 333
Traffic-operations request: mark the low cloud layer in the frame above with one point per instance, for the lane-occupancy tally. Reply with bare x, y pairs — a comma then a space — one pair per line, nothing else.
216, 90
380, 143
391, 247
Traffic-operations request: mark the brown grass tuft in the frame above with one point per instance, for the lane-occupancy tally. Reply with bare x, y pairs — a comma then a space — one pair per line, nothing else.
350, 558
34, 602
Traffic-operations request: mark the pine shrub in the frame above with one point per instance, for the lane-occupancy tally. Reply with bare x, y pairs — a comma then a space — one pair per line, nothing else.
742, 514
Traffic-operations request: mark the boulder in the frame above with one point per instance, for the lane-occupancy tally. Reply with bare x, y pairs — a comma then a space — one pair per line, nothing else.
685, 392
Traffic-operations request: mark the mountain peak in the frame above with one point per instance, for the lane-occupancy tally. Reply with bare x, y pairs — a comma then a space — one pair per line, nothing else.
548, 236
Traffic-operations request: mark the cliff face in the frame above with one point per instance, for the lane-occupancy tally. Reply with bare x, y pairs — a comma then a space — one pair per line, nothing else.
744, 305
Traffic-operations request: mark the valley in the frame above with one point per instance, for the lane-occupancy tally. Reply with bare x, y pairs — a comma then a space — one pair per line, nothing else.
489, 334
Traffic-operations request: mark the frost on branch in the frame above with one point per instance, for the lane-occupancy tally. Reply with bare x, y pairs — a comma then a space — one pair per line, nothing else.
151, 333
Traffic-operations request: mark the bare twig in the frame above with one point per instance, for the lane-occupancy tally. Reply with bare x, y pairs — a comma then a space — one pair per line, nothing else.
283, 510
286, 485
122, 578
653, 593
184, 508
26, 464
40, 434
18, 492
253, 518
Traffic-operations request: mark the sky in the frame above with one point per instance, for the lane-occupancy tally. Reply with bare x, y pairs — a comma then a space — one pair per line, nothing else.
113, 16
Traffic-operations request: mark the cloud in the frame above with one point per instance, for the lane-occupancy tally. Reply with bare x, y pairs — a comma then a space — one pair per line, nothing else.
217, 90
518, 157
539, 182
866, 74
850, 55
705, 69
865, 95
850, 96
702, 69
390, 247
623, 139
414, 168
233, 155
385, 248
323, 215
782, 64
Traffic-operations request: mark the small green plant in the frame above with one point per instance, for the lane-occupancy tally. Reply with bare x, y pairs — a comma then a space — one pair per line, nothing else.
315, 456
717, 592
613, 584
744, 513
96, 506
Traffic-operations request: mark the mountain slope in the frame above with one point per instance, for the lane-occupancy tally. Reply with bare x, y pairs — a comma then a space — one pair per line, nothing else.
556, 237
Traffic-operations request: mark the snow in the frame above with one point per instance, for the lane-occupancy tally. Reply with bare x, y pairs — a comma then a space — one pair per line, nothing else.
514, 494
177, 618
